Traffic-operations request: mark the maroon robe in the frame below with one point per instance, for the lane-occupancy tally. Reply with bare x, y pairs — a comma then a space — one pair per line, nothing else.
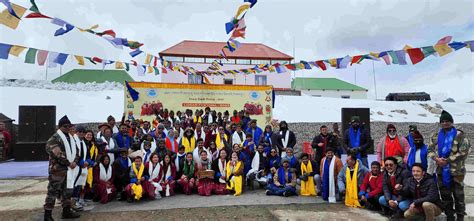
100, 186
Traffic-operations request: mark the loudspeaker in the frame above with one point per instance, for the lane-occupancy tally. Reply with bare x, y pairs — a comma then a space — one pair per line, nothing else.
36, 123
30, 151
364, 115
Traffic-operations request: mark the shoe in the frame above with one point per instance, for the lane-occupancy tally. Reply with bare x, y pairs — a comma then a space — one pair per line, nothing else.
286, 194
48, 215
69, 214
319, 194
267, 192
76, 206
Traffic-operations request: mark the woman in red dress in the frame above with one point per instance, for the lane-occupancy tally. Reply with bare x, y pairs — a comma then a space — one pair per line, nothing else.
104, 188
169, 174
188, 179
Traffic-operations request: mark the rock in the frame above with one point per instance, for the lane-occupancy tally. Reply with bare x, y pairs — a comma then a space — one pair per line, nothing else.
438, 106
107, 98
379, 113
400, 111
390, 115
449, 100
422, 115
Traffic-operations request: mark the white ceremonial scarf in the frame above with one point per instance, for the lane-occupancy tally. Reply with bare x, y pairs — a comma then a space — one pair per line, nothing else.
284, 141
105, 175
197, 157
176, 161
165, 177
110, 146
82, 177
203, 135
222, 169
71, 151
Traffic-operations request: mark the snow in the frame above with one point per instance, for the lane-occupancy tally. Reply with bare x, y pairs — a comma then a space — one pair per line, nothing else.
43, 84
94, 102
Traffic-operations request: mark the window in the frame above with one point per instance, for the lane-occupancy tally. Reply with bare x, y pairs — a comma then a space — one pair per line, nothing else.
279, 62
345, 96
228, 61
260, 62
243, 61
260, 80
228, 81
194, 79
193, 60
173, 58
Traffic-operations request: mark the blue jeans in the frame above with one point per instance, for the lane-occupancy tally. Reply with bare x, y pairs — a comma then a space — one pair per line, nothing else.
403, 205
277, 191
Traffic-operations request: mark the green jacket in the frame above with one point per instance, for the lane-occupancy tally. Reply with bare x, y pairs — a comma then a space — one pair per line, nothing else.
459, 152
58, 162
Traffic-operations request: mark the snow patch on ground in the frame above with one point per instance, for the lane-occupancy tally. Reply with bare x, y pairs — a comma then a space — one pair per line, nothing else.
43, 84
100, 101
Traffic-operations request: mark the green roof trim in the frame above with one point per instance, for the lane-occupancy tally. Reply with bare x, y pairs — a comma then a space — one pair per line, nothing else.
323, 84
93, 75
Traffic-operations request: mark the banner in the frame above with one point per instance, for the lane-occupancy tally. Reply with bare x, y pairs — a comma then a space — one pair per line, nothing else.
148, 98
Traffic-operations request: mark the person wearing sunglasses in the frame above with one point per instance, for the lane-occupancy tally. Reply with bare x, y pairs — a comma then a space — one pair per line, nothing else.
392, 202
392, 145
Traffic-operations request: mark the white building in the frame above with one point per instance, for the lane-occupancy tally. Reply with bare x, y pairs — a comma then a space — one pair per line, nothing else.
328, 87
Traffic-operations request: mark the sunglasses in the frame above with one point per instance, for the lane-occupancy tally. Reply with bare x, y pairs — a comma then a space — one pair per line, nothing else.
392, 130
389, 164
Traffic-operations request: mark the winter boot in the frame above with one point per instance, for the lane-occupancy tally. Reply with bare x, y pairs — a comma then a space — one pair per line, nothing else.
48, 215
69, 214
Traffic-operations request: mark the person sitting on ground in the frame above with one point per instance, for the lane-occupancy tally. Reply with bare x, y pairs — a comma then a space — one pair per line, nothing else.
168, 177
162, 150
257, 171
205, 185
371, 188
219, 166
213, 152
154, 170
234, 174
291, 158
350, 178
139, 187
272, 165
104, 189
123, 138
392, 145
418, 152
423, 191
188, 180
308, 176
393, 179
146, 151
121, 171
197, 151
284, 181
179, 161
255, 131
267, 135
330, 168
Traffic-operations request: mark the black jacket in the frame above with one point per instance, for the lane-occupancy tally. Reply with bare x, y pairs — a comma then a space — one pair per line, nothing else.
314, 165
401, 176
364, 141
428, 191
331, 142
278, 142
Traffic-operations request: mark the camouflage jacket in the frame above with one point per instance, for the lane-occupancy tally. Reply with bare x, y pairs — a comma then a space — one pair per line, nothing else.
459, 152
58, 162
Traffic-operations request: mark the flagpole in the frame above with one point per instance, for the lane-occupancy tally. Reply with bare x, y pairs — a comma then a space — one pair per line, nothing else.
46, 65
355, 75
375, 82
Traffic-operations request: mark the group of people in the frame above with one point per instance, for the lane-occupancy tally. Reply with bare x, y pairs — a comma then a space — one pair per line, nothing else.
207, 154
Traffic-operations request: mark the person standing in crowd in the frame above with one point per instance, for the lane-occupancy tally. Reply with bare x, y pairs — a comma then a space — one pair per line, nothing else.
159, 133
197, 117
205, 185
371, 188
104, 189
146, 128
286, 139
179, 161
245, 120
199, 132
267, 135
146, 151
162, 151
111, 122
62, 170
393, 145
121, 171
188, 178
211, 134
133, 131
418, 152
171, 118
222, 140
284, 181
235, 117
321, 142
338, 138
422, 190
330, 168
139, 187
255, 131
356, 138
449, 148
101, 128
5, 140
411, 129
238, 137
257, 171
171, 142
110, 145
393, 180
219, 166
123, 138
214, 153
349, 180
149, 139
234, 174
188, 140
168, 176
308, 176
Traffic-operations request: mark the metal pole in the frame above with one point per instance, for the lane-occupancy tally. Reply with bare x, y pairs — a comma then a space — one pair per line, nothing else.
46, 65
375, 82
355, 75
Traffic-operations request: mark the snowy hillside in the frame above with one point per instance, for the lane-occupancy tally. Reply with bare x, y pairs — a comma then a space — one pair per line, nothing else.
84, 104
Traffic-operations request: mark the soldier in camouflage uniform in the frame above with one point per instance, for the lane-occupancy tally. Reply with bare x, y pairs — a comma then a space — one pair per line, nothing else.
449, 148
58, 169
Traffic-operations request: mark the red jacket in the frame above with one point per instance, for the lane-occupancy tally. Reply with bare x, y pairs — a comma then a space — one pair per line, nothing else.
373, 186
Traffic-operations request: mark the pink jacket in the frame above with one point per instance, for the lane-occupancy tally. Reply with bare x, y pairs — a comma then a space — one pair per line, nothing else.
403, 142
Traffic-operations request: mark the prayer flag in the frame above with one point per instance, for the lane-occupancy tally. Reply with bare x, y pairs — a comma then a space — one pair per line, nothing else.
394, 57
34, 7
10, 8
321, 65
470, 44
16, 50
239, 33
416, 55
427, 51
229, 26
61, 58
30, 56
443, 49
135, 53
65, 27
157, 72
118, 65
36, 15
134, 94
127, 66
445, 40
88, 29
280, 69
4, 50
149, 69
51, 58
384, 55
457, 45
371, 56
41, 57
163, 70
401, 57
134, 63
133, 44
252, 2
141, 70
148, 59
109, 32
116, 42
9, 20
98, 60
356, 59
345, 61
333, 62
90, 59
299, 66
242, 9
291, 67
79, 59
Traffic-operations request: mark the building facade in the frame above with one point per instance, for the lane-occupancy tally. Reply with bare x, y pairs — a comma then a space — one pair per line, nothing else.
200, 54
328, 87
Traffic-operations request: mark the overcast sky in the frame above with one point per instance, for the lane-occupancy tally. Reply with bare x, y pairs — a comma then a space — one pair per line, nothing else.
320, 29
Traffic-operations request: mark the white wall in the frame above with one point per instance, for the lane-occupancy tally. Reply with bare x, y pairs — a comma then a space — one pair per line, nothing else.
335, 93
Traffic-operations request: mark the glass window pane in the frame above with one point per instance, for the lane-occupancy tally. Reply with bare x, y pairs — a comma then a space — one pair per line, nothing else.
193, 60
243, 61
173, 58
260, 61
229, 61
